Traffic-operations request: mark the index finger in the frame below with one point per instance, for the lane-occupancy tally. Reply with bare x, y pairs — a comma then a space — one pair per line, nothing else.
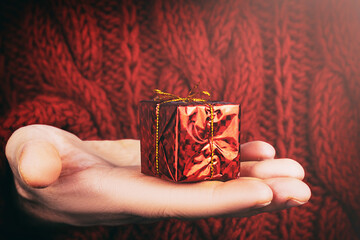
152, 197
256, 150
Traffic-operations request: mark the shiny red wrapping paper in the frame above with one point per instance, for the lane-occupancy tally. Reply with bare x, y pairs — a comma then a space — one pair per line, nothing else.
184, 141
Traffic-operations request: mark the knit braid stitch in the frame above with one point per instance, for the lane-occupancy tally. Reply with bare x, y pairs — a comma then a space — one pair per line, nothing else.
338, 157
61, 74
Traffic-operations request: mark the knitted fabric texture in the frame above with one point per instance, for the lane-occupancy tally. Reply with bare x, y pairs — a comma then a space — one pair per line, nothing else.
293, 65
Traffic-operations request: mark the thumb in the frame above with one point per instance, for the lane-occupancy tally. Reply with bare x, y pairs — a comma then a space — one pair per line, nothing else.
39, 164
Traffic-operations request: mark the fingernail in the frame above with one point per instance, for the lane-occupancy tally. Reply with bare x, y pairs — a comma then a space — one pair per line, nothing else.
260, 205
293, 203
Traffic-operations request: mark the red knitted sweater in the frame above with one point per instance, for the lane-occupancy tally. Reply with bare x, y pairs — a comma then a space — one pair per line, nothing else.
293, 65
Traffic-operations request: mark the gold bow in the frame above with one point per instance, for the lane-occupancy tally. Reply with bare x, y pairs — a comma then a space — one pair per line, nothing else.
193, 96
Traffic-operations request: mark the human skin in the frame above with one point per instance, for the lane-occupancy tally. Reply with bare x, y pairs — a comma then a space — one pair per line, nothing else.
60, 178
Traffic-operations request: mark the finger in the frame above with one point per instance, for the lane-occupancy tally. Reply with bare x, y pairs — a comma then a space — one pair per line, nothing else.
256, 150
39, 164
288, 192
271, 168
152, 197
32, 158
124, 152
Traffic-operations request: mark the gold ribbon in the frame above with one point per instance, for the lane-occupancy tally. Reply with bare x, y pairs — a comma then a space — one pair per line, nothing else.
193, 96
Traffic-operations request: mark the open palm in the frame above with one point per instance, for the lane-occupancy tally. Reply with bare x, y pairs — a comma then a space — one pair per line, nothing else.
61, 178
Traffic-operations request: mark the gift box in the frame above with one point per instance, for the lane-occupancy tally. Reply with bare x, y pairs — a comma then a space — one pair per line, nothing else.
190, 141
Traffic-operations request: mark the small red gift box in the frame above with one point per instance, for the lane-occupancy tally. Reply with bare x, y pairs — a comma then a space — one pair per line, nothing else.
190, 141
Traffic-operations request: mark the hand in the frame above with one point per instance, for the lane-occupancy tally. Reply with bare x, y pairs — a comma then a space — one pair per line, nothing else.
61, 178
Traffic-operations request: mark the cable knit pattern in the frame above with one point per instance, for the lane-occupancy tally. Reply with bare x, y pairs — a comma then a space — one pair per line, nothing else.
293, 65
